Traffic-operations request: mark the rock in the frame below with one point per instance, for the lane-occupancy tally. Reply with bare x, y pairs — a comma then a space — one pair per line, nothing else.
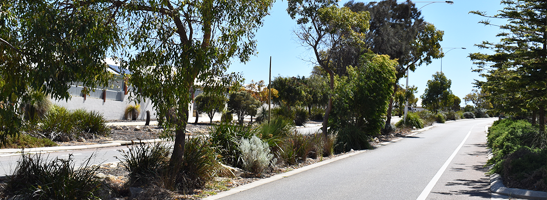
376, 140
125, 128
116, 127
137, 128
100, 176
135, 192
65, 138
81, 139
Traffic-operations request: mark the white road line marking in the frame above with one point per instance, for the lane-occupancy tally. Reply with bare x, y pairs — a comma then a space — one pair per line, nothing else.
439, 173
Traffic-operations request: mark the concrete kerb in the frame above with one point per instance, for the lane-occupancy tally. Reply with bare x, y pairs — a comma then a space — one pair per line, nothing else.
497, 186
12, 152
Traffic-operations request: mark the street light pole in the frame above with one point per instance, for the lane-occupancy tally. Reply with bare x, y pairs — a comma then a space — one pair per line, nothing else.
407, 73
446, 53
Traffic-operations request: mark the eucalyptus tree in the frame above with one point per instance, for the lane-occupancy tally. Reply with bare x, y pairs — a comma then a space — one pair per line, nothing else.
210, 103
181, 42
437, 93
397, 30
166, 45
516, 73
323, 27
47, 46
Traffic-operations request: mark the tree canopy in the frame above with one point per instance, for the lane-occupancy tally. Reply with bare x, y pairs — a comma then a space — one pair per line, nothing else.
48, 46
516, 73
397, 30
438, 95
324, 27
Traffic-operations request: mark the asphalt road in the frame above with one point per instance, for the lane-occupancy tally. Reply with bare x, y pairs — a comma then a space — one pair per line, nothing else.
100, 156
445, 162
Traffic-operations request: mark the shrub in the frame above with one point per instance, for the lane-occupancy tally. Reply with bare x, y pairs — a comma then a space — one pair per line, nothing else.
469, 108
413, 120
281, 112
301, 116
199, 166
37, 107
56, 122
89, 123
506, 136
440, 118
37, 178
144, 162
60, 124
427, 117
255, 154
451, 115
224, 138
226, 117
389, 128
26, 141
295, 147
525, 168
351, 137
317, 114
274, 131
481, 113
469, 115
132, 112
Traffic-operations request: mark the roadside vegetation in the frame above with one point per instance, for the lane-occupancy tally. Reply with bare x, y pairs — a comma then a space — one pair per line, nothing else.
519, 154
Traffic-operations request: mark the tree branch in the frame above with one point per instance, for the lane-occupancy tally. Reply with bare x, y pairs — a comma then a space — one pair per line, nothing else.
6, 42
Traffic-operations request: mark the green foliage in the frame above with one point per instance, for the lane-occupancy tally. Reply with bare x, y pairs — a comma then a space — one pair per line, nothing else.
451, 115
525, 168
144, 162
481, 113
37, 178
282, 112
59, 122
243, 103
469, 108
469, 115
26, 141
440, 118
274, 131
37, 107
296, 147
78, 40
291, 91
227, 117
437, 95
362, 97
224, 138
413, 120
200, 165
427, 117
351, 137
317, 114
255, 154
513, 72
506, 136
210, 103
301, 116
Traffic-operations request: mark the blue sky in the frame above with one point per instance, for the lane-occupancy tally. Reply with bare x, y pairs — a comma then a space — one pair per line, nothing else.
461, 29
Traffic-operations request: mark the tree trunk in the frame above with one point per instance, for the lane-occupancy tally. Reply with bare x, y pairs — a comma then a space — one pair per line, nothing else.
542, 118
329, 108
180, 138
197, 117
534, 117
390, 108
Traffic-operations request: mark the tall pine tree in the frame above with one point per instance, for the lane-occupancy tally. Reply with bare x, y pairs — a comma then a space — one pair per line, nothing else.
516, 73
